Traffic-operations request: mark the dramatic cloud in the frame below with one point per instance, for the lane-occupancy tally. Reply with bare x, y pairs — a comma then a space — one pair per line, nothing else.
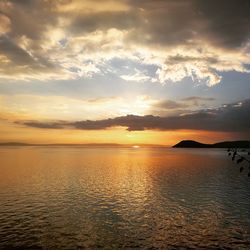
227, 21
71, 39
224, 23
229, 118
55, 125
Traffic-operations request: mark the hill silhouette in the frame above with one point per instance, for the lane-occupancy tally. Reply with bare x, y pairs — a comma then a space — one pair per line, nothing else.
225, 144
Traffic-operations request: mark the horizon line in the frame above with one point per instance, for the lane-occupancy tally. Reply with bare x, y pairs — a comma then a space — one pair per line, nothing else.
84, 144
15, 143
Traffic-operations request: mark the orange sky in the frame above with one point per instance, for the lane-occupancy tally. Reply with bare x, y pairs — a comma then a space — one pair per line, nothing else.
15, 133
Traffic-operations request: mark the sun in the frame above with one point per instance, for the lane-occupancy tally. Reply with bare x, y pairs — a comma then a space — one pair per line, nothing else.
135, 146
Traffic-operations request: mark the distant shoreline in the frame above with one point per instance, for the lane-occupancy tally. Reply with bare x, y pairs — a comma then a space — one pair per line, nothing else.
225, 144
181, 144
20, 144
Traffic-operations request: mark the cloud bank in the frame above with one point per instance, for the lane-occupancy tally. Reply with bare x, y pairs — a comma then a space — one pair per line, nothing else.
228, 118
69, 39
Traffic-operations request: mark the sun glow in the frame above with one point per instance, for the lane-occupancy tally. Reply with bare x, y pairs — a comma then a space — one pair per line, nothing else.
68, 108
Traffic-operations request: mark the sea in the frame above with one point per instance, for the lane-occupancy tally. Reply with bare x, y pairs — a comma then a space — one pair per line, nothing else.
65, 197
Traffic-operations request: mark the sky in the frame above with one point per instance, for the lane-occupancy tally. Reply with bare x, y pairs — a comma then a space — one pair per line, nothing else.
124, 71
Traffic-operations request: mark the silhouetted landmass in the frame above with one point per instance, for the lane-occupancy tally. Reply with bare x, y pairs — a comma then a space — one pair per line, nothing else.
191, 144
226, 144
232, 144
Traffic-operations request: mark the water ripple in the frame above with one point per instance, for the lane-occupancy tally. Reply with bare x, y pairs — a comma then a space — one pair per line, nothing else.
77, 198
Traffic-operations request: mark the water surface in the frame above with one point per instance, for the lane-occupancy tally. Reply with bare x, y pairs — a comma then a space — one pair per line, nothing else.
73, 198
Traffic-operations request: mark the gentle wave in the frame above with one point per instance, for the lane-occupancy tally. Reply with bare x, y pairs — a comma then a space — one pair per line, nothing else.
73, 198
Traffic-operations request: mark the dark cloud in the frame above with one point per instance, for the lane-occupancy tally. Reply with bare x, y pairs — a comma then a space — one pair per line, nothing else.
224, 23
158, 24
229, 118
182, 59
164, 22
55, 125
30, 18
104, 20
20, 61
228, 21
14, 52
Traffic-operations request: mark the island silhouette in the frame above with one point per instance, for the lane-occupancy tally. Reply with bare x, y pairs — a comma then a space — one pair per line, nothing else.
225, 144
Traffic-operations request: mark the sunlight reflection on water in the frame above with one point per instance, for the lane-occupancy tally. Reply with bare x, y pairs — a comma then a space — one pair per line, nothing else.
63, 198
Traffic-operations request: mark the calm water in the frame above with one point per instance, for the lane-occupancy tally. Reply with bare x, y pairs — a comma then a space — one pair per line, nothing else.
73, 198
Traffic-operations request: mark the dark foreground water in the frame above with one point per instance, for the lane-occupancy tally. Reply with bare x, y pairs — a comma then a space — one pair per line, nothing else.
73, 198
